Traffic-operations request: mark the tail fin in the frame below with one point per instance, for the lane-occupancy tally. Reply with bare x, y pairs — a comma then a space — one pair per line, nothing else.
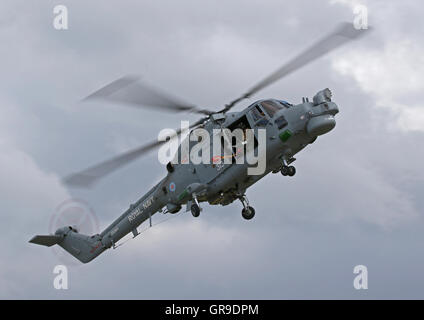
84, 248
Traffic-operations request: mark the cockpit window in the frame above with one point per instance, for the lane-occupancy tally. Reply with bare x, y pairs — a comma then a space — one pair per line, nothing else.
285, 104
262, 123
257, 113
281, 122
271, 107
258, 117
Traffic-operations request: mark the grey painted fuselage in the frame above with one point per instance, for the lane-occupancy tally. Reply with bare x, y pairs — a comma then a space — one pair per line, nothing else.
289, 129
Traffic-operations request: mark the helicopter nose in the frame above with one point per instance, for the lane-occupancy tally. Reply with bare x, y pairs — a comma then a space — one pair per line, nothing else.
320, 125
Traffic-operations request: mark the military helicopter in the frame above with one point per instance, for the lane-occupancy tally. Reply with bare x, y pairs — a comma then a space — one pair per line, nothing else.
289, 128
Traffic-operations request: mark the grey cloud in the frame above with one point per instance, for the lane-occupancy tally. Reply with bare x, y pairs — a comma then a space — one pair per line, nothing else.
356, 198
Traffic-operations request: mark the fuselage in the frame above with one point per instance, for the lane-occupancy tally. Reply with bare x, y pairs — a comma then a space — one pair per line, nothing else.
286, 130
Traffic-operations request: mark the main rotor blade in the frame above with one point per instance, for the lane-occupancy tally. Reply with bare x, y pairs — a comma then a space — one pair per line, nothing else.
90, 176
130, 91
342, 34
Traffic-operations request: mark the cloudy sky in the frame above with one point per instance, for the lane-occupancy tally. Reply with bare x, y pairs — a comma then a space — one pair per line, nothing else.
356, 198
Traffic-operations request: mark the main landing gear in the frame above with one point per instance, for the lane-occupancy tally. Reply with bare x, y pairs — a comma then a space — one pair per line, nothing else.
195, 208
248, 212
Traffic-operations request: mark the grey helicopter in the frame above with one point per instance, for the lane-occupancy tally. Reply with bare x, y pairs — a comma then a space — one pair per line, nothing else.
288, 128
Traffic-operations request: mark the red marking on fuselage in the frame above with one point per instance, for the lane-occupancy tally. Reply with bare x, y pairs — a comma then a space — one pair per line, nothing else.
96, 247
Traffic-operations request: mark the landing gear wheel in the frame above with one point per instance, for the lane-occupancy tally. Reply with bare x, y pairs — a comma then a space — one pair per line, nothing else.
291, 171
284, 170
195, 210
248, 212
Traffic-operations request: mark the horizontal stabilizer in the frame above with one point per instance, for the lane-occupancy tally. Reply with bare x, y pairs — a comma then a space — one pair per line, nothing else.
47, 241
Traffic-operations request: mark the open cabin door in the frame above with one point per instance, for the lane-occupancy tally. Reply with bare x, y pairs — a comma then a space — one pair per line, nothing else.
215, 165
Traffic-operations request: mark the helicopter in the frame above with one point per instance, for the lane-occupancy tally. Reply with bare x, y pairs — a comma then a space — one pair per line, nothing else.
288, 128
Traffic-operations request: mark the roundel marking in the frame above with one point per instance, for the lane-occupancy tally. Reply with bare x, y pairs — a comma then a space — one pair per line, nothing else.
172, 187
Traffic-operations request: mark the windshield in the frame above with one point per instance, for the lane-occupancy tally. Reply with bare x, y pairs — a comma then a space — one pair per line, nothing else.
257, 113
258, 116
271, 107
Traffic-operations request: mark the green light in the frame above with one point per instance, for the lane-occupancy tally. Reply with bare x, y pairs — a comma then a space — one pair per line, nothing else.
284, 136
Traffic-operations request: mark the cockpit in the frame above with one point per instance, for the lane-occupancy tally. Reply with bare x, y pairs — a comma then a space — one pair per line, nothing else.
263, 111
258, 116
272, 106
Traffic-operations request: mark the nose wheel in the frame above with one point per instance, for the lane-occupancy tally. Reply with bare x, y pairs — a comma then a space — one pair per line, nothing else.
286, 168
288, 171
248, 212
